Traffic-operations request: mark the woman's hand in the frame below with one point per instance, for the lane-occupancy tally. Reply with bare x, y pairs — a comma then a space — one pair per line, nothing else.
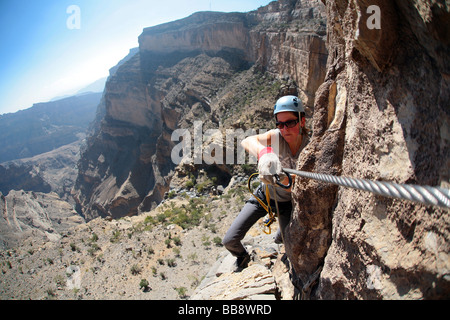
269, 164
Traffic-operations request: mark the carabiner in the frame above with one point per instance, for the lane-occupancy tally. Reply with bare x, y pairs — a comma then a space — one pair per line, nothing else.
267, 232
282, 185
267, 223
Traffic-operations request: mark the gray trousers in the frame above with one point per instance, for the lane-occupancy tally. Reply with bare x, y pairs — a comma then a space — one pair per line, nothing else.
249, 215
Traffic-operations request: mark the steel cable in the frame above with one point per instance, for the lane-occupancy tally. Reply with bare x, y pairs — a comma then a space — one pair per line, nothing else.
424, 194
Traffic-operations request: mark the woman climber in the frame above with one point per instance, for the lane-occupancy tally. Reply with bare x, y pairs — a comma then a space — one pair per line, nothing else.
276, 149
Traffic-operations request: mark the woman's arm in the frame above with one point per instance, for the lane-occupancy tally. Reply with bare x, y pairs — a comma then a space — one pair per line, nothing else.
268, 162
255, 144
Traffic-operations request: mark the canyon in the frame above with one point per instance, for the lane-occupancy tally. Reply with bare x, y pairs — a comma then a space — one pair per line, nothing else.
376, 101
191, 69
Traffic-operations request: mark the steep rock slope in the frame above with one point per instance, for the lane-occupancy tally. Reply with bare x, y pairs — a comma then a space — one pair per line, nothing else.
178, 77
374, 118
53, 171
382, 114
46, 126
41, 216
146, 257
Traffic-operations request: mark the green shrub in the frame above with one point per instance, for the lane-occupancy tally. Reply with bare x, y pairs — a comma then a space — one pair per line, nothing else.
177, 241
189, 184
135, 269
217, 241
94, 237
171, 262
115, 236
181, 292
144, 284
171, 194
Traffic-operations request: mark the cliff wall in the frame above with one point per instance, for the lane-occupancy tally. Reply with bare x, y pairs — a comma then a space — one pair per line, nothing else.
382, 114
46, 126
34, 216
179, 76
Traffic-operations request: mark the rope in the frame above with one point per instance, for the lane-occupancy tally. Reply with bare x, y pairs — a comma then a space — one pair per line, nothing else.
424, 194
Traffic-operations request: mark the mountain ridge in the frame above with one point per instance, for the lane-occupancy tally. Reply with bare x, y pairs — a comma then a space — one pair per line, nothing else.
181, 68
46, 126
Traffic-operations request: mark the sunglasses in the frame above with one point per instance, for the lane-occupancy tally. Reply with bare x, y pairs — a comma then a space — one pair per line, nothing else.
289, 124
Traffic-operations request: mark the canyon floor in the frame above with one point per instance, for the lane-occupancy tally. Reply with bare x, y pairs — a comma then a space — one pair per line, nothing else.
143, 257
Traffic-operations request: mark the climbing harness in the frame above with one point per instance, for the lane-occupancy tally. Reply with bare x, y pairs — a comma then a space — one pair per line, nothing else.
272, 218
303, 291
423, 194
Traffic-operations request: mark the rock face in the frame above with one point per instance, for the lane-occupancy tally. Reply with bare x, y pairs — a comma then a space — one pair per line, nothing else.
298, 50
43, 216
379, 111
53, 171
382, 114
46, 126
266, 277
179, 76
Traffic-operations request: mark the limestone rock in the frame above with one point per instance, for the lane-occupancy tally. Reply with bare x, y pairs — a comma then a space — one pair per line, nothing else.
46, 126
53, 171
380, 115
37, 215
254, 280
282, 273
223, 282
224, 69
268, 276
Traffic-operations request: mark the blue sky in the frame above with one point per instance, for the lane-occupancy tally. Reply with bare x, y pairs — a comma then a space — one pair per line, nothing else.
41, 58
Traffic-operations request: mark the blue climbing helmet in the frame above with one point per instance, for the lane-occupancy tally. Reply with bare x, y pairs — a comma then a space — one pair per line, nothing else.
288, 103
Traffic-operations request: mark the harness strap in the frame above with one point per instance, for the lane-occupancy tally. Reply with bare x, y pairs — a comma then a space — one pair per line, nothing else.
268, 222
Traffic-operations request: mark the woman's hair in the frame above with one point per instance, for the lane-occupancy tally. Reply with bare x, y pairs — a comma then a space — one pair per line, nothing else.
299, 116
